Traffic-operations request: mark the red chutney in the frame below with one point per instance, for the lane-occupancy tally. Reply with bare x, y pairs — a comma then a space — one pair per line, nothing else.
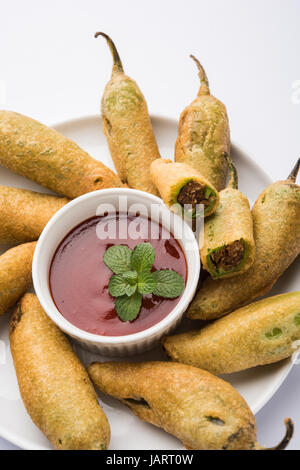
79, 278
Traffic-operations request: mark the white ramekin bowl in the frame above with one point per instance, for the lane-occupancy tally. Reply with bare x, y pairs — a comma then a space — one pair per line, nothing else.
78, 211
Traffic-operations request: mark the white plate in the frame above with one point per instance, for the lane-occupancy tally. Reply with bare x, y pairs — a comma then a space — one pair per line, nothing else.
257, 385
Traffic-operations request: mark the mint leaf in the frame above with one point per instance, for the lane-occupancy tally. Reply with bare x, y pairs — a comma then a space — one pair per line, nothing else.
142, 257
117, 285
128, 308
121, 284
131, 277
146, 283
118, 258
169, 284
131, 280
130, 290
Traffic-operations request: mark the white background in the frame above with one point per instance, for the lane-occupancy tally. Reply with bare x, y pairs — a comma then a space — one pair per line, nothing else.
53, 69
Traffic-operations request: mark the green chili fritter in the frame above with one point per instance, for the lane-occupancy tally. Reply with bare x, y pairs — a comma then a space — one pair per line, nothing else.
203, 135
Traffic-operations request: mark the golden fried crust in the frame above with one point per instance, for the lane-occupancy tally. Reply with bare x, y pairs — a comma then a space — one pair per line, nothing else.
231, 222
15, 274
201, 410
276, 216
35, 151
54, 385
204, 138
128, 129
24, 214
261, 333
170, 177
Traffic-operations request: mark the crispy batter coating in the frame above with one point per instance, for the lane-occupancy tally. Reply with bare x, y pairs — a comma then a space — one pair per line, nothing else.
15, 274
276, 216
24, 214
229, 249
260, 333
31, 149
170, 178
201, 410
230, 223
204, 136
127, 127
54, 385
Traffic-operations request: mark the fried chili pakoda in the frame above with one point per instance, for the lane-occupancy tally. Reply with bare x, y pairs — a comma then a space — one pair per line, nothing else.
276, 216
15, 274
260, 333
228, 249
201, 410
203, 135
54, 385
45, 156
24, 214
127, 127
180, 186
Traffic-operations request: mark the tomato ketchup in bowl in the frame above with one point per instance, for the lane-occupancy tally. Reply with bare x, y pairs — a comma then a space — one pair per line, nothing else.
79, 277
72, 280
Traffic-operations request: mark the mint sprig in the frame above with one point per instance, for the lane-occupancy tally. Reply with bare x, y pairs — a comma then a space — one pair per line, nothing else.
133, 278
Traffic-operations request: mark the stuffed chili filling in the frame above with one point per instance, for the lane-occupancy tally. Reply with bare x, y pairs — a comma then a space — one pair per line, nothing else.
194, 193
228, 258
